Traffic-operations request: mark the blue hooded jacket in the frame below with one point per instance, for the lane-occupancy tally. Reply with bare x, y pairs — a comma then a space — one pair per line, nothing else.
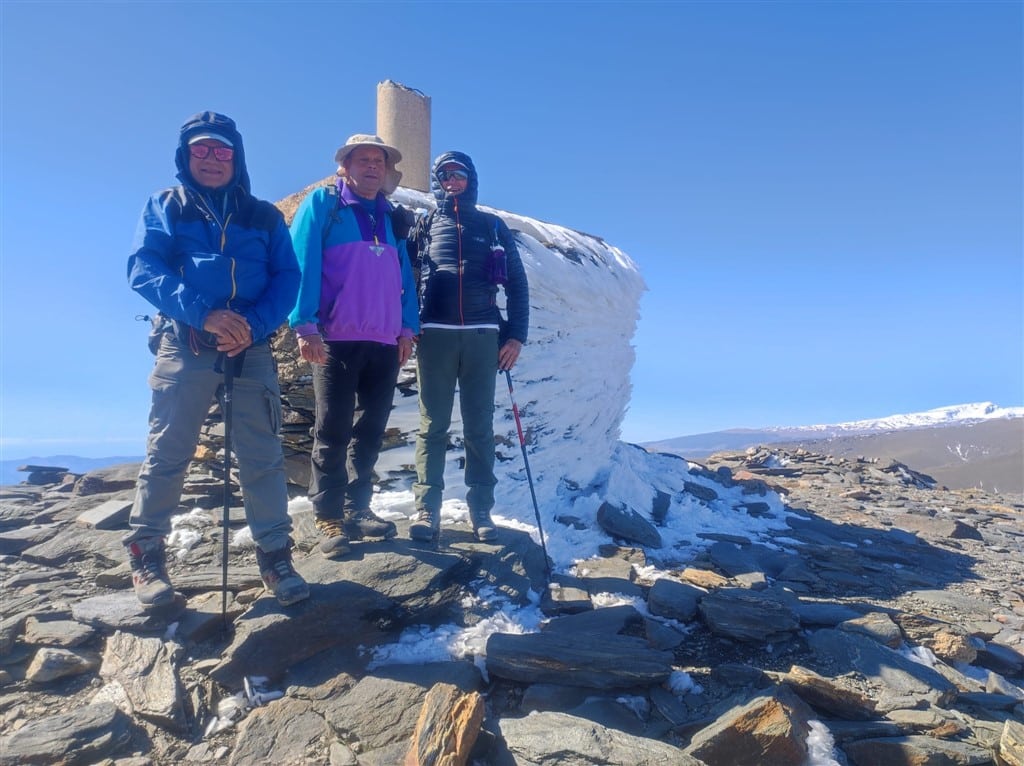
198, 249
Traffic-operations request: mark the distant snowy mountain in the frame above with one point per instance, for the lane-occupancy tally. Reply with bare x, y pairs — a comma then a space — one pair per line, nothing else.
696, 445
964, 445
957, 414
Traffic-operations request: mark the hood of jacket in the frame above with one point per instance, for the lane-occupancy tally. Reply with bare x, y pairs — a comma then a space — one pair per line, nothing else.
212, 122
444, 201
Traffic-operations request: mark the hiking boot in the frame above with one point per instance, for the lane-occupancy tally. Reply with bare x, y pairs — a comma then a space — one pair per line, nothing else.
427, 526
280, 577
149, 572
366, 525
335, 544
483, 526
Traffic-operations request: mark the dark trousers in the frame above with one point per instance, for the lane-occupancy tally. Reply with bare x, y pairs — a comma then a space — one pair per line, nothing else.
354, 391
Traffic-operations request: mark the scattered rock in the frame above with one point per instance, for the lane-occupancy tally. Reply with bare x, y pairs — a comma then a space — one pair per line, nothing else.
883, 612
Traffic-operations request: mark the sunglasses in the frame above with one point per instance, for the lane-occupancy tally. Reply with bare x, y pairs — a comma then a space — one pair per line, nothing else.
458, 175
202, 151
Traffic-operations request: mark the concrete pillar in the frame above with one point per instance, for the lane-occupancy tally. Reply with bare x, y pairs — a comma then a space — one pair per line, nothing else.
403, 120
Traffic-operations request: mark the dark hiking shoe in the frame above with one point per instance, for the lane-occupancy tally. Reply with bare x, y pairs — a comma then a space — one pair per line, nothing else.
149, 572
483, 526
427, 526
366, 525
280, 577
335, 542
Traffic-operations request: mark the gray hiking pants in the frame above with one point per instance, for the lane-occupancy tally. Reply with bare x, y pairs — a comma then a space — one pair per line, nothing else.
184, 385
445, 358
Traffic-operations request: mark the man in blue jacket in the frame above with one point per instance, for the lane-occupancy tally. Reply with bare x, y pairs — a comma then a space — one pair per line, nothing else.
355, 319
465, 255
219, 266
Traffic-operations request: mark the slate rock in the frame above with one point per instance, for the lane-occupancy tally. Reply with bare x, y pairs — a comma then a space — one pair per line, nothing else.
628, 525
575, 741
114, 478
1011, 743
62, 633
576, 660
1000, 658
744, 616
673, 599
608, 574
837, 695
877, 626
145, 668
15, 541
112, 514
896, 678
610, 620
915, 750
122, 611
770, 730
82, 736
660, 505
279, 732
447, 727
50, 663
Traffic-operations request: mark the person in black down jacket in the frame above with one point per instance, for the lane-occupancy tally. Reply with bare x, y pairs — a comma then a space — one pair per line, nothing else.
464, 255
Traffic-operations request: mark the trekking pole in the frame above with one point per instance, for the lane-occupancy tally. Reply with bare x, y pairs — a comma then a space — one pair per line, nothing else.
529, 475
227, 366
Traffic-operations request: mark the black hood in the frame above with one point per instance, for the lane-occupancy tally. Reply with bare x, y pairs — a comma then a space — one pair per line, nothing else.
468, 197
223, 125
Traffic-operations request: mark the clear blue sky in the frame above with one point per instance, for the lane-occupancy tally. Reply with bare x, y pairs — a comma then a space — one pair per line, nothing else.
824, 198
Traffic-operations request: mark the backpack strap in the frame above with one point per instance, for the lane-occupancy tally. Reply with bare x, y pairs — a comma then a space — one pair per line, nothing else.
402, 221
332, 191
419, 243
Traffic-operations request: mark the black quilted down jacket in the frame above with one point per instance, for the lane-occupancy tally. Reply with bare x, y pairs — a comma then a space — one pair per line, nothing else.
453, 252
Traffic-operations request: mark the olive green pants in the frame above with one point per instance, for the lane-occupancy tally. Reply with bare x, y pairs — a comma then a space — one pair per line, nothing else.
446, 359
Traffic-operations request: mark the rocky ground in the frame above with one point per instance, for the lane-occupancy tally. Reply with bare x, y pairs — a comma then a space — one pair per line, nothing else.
883, 625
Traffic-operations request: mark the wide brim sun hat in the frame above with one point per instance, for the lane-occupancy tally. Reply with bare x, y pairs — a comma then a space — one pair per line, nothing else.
393, 176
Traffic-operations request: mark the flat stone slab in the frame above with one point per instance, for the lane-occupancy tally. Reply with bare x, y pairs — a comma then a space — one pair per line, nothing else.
578, 741
897, 678
575, 659
113, 514
85, 735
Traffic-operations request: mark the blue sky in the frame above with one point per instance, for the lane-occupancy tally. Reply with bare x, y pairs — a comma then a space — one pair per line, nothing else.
825, 199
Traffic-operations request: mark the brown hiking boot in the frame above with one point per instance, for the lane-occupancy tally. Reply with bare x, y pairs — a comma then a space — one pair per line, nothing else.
147, 558
366, 525
483, 526
335, 542
279, 575
427, 526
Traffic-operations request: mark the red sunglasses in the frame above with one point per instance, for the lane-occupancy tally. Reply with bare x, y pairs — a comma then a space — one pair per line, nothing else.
202, 151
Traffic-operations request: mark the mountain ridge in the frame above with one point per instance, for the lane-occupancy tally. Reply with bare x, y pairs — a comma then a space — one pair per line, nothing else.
964, 446
9, 473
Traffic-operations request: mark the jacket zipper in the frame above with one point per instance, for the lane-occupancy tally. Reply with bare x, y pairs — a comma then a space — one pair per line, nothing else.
223, 243
458, 229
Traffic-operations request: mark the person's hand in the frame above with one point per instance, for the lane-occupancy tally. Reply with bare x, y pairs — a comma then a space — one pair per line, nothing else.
508, 354
404, 350
231, 348
232, 329
312, 349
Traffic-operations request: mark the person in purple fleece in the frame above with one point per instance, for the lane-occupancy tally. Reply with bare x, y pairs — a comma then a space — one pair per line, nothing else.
355, 319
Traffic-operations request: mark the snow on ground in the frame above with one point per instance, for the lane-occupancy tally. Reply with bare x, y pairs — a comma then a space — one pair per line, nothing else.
572, 390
